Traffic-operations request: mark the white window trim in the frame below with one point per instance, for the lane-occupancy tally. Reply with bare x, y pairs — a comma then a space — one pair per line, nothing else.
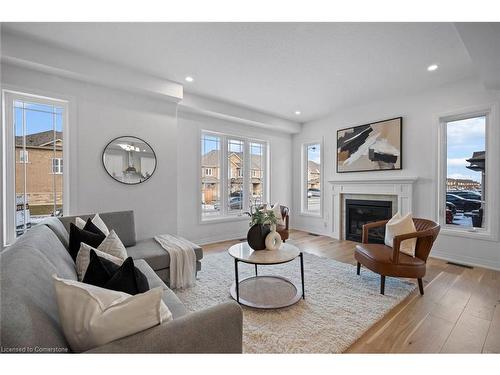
10, 94
242, 171
226, 215
490, 232
24, 160
59, 166
304, 175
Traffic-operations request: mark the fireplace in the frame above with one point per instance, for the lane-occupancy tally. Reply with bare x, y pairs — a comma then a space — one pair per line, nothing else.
362, 211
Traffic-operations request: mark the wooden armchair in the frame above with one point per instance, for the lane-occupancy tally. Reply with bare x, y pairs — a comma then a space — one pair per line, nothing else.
387, 261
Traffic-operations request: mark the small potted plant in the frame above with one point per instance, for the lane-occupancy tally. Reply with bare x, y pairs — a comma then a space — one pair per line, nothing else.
260, 226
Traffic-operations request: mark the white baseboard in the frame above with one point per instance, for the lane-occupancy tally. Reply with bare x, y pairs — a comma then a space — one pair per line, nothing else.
312, 230
466, 260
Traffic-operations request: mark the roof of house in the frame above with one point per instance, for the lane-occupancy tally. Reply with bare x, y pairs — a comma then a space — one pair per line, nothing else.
211, 159
42, 139
314, 167
477, 156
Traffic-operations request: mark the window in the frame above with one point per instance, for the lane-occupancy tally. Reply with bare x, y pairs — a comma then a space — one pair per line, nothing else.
257, 166
23, 156
463, 199
210, 183
235, 166
230, 193
34, 128
57, 166
311, 201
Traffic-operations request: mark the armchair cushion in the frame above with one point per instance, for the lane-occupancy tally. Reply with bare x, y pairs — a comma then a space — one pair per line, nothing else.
378, 258
276, 208
401, 225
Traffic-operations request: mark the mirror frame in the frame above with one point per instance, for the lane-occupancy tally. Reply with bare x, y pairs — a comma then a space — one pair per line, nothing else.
140, 139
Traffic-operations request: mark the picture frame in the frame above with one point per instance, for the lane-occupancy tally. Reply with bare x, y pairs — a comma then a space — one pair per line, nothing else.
376, 146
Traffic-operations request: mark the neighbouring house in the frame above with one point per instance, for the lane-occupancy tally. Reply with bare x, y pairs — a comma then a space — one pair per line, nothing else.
313, 175
462, 184
477, 163
39, 168
210, 173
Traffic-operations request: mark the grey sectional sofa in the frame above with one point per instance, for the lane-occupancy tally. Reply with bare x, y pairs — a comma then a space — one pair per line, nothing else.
29, 317
148, 249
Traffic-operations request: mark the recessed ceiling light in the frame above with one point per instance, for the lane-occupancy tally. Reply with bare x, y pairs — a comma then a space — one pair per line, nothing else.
189, 79
298, 113
432, 67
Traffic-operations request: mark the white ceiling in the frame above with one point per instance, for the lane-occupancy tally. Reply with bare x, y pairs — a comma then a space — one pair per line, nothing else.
275, 68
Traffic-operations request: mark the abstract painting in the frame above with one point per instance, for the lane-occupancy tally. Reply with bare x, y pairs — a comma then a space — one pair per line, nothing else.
370, 147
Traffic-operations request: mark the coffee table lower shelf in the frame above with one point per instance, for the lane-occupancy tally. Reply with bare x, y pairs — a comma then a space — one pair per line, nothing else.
266, 292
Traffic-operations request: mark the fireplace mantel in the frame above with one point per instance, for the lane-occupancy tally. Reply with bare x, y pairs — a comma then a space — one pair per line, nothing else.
389, 180
400, 187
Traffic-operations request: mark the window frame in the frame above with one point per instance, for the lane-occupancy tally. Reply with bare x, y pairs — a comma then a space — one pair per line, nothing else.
25, 158
9, 95
225, 214
489, 232
59, 166
304, 211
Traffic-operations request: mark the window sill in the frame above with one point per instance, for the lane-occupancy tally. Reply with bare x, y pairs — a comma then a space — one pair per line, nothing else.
473, 234
225, 219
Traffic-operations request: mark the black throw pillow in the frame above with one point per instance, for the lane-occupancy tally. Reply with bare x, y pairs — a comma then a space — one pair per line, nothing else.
128, 279
125, 278
99, 270
77, 236
91, 227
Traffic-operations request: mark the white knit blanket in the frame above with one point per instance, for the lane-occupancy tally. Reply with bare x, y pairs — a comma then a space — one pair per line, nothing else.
182, 260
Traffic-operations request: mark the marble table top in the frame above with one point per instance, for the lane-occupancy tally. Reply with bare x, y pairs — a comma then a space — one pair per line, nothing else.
243, 252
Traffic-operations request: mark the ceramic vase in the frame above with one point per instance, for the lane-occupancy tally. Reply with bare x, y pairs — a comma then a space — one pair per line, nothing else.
273, 239
257, 235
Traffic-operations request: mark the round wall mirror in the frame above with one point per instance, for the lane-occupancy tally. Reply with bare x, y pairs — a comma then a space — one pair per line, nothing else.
129, 160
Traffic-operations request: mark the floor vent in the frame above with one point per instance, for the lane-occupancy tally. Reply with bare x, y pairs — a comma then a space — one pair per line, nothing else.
460, 265
242, 239
314, 234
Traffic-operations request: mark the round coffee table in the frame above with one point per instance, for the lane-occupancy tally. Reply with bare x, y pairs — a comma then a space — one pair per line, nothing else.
266, 291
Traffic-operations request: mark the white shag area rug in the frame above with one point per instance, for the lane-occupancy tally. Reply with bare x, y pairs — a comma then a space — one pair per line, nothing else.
339, 305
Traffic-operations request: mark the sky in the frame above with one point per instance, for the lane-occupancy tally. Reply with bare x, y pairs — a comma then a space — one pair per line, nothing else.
38, 118
313, 153
463, 138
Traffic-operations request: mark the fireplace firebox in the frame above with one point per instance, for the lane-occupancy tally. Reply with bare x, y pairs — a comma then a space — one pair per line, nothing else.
363, 211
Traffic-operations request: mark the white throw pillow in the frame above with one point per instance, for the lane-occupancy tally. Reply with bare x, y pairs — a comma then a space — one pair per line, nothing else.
401, 225
96, 220
91, 316
83, 259
79, 222
113, 245
277, 212
100, 224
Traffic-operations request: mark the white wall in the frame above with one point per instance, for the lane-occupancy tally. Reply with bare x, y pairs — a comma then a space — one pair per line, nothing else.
97, 115
189, 131
168, 202
420, 128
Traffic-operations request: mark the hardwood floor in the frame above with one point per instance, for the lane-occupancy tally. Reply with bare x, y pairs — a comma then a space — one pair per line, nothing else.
460, 312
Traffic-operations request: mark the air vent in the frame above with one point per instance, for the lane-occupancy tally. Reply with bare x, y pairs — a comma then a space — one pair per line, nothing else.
313, 234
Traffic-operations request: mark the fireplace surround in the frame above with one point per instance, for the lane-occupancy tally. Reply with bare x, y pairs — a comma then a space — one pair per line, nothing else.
399, 190
362, 211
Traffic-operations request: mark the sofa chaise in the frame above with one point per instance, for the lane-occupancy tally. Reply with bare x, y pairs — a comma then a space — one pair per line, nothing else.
148, 249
